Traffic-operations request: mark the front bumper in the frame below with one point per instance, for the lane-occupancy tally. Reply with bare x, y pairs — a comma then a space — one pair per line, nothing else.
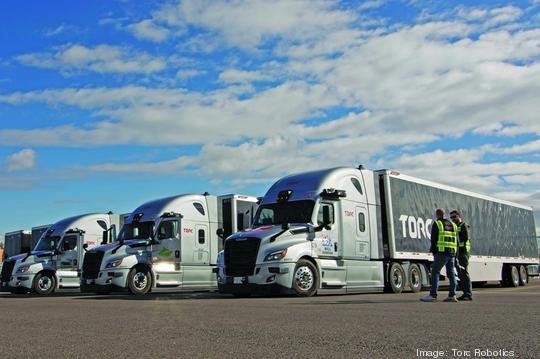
18, 281
108, 280
268, 278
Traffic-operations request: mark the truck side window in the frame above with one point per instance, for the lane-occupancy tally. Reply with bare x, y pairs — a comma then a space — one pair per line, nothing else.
361, 222
69, 242
168, 229
320, 214
202, 237
199, 207
357, 185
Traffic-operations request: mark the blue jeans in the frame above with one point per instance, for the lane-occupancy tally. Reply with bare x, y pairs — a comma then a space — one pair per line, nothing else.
439, 261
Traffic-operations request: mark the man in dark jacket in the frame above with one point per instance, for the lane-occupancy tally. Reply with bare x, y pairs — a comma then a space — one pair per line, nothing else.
444, 248
464, 247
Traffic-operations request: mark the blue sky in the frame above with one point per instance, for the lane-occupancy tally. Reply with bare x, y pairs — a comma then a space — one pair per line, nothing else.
107, 104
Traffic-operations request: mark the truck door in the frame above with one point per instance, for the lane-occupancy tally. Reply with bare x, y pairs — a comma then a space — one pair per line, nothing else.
68, 260
166, 253
201, 255
362, 247
327, 240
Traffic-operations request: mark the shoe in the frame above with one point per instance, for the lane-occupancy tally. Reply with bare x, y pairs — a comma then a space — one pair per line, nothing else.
464, 297
450, 299
428, 298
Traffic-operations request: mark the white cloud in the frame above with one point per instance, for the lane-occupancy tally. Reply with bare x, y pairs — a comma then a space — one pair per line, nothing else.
22, 160
100, 59
148, 30
248, 24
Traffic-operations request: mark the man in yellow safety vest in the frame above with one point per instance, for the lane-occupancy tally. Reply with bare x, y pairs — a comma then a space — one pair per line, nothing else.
444, 244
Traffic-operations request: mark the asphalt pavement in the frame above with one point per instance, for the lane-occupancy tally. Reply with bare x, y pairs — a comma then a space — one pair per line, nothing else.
500, 322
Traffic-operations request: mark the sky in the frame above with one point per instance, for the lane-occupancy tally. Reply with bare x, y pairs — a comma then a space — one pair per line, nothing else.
105, 105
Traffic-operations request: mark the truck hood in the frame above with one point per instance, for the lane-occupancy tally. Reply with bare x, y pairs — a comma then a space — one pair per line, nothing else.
114, 245
267, 233
29, 256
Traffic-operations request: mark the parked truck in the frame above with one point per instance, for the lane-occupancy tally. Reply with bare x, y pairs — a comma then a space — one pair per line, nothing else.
168, 242
347, 230
56, 259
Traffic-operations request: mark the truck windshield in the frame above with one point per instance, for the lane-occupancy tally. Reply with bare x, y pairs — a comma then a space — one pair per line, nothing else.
141, 230
47, 243
287, 212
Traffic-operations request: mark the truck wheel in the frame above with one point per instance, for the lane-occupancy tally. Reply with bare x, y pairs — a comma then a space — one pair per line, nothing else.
139, 281
415, 278
514, 276
396, 278
523, 276
44, 283
305, 279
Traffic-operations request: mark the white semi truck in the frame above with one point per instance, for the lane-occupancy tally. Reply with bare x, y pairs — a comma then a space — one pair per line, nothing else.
56, 259
346, 230
169, 242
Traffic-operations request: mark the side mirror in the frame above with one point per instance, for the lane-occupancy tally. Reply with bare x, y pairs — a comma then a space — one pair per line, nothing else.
105, 237
85, 246
220, 232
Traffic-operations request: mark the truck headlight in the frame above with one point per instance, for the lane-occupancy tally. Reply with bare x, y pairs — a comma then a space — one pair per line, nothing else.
275, 256
23, 269
114, 264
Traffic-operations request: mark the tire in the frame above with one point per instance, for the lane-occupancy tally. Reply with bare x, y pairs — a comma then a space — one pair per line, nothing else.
523, 275
415, 278
44, 283
396, 278
139, 281
305, 279
513, 276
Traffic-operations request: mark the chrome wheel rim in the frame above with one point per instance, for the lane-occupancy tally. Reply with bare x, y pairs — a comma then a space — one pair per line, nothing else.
44, 283
397, 278
415, 278
140, 280
304, 278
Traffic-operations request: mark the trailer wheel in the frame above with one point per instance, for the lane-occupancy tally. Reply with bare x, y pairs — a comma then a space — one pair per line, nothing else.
44, 283
514, 276
523, 275
305, 278
415, 278
396, 277
139, 281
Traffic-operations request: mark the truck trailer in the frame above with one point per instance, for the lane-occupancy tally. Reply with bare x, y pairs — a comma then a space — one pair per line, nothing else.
56, 259
348, 230
17, 242
168, 242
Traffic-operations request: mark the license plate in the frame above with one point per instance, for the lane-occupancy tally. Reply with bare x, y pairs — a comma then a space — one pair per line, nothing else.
238, 280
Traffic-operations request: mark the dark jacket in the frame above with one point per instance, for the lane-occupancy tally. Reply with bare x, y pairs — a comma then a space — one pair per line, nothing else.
463, 235
435, 237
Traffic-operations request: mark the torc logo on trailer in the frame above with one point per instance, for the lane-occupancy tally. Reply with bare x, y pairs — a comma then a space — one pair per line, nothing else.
415, 228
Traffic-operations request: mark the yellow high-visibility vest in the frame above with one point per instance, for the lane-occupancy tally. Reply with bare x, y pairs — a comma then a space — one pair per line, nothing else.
447, 239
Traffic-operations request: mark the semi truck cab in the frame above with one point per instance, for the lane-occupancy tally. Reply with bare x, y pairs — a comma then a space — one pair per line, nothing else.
169, 242
312, 231
56, 259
